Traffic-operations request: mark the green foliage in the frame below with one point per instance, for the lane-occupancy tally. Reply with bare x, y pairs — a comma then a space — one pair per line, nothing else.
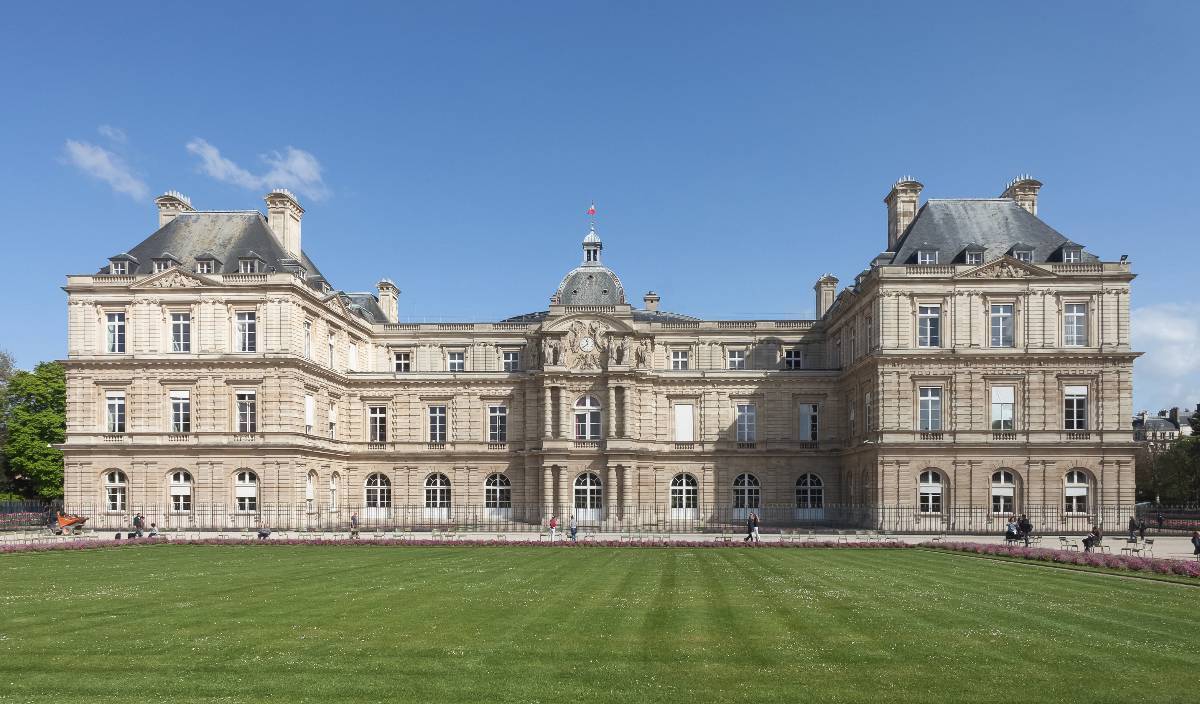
35, 418
1177, 472
623, 625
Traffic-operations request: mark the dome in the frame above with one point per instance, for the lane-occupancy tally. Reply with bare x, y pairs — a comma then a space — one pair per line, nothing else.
590, 286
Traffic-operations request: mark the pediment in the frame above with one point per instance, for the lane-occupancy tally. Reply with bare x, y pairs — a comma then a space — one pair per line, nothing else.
1005, 267
174, 278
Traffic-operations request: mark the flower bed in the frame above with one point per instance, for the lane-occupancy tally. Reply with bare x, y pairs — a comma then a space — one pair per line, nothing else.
1132, 563
10, 521
429, 542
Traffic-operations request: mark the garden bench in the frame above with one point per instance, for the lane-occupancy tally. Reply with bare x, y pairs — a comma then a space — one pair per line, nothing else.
1065, 543
1148, 546
1132, 547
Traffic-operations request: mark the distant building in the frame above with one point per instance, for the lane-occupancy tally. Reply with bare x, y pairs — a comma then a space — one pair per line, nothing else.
1164, 428
981, 365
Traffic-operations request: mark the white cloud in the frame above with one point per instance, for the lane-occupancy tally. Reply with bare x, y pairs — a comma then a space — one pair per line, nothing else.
294, 169
100, 163
1168, 374
113, 134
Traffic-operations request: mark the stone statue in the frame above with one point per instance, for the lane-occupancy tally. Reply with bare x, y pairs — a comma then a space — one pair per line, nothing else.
551, 352
619, 349
641, 355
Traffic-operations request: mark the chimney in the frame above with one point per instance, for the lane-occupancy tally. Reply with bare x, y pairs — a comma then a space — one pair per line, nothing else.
651, 301
171, 204
902, 208
826, 288
389, 299
1024, 190
283, 215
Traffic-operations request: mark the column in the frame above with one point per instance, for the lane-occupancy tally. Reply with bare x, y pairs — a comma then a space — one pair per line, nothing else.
547, 493
564, 412
612, 411
630, 431
565, 503
627, 494
611, 493
548, 429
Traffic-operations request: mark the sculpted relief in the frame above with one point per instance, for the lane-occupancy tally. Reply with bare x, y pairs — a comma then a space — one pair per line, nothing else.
592, 345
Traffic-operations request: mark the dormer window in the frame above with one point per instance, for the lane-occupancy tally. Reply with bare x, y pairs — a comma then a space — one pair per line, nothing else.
120, 268
927, 256
249, 266
974, 257
1023, 255
1072, 255
205, 266
161, 265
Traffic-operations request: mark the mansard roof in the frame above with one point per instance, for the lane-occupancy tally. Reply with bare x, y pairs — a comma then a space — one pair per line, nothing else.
225, 236
994, 225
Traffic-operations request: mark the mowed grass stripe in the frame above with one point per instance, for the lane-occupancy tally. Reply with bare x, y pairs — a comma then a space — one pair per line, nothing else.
527, 624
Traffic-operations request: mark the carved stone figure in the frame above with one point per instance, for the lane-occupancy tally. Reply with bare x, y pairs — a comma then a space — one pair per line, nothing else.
551, 352
641, 355
618, 350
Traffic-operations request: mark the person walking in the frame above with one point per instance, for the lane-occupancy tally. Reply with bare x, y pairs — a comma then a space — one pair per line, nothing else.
553, 527
1196, 542
1160, 519
749, 527
137, 524
1142, 529
574, 527
354, 526
1133, 526
1026, 527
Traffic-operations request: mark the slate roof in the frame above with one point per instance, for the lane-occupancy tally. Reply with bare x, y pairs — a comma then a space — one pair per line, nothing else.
591, 285
229, 235
950, 226
641, 316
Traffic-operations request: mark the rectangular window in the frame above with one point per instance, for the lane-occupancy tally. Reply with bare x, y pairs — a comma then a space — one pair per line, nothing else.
793, 359
868, 398
161, 265
455, 361
930, 408
1023, 255
929, 326
247, 266
115, 332
735, 359
247, 331
1075, 403
1075, 325
119, 268
512, 361
974, 257
308, 339
114, 402
1002, 325
352, 363
1003, 403
377, 423
332, 420
403, 362
1072, 255
746, 422
310, 411
332, 350
808, 422
437, 424
684, 422
247, 411
927, 256
181, 332
679, 359
181, 412
204, 267
497, 424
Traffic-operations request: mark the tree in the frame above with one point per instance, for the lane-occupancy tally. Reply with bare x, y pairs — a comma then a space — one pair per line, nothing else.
35, 418
1178, 472
6, 371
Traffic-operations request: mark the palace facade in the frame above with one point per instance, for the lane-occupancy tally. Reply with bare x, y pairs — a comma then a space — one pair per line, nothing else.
979, 366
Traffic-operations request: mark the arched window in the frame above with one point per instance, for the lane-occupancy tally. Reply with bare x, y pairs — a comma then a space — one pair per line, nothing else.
379, 491
810, 492
684, 492
589, 494
310, 489
497, 491
930, 492
334, 480
746, 491
116, 486
437, 491
587, 418
1076, 491
245, 490
180, 490
1004, 490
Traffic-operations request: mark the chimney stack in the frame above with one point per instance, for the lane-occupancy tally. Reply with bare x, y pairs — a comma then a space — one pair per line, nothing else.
1024, 190
902, 208
283, 215
389, 300
170, 204
651, 301
826, 288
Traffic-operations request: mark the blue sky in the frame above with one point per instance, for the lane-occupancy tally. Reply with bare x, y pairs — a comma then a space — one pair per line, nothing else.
735, 151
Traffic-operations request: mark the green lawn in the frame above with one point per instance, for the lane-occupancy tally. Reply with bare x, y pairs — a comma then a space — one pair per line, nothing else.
297, 624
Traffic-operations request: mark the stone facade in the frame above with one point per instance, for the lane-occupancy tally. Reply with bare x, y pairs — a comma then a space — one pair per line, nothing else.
624, 417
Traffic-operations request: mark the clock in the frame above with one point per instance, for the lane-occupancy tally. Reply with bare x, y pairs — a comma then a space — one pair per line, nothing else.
586, 344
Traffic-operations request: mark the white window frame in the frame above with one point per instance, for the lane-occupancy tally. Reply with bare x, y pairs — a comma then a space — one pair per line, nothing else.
497, 422
510, 360
116, 491
747, 422
974, 257
588, 414
809, 421
181, 411
1003, 398
402, 362
120, 268
1023, 255
685, 421
438, 423
793, 358
377, 491
179, 491
377, 423
248, 266
735, 358
679, 359
1004, 492
181, 332
929, 325
115, 415
161, 265
927, 256
205, 266
1075, 323
1002, 319
438, 490
684, 492
931, 492
1077, 486
929, 409
810, 491
310, 413
333, 418
246, 330
332, 350
114, 329
1072, 255
1075, 407
456, 361
245, 491
308, 339
747, 492
497, 491
246, 406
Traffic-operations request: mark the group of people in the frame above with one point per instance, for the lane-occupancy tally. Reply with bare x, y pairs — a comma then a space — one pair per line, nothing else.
139, 528
1137, 528
572, 526
1018, 529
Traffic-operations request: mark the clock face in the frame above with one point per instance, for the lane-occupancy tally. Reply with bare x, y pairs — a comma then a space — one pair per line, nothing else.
586, 344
